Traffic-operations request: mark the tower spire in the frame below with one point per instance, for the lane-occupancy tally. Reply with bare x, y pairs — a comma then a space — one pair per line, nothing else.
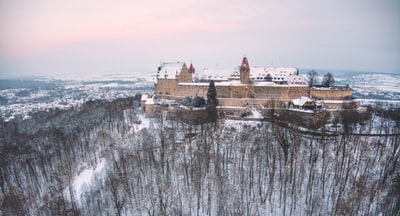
191, 69
245, 71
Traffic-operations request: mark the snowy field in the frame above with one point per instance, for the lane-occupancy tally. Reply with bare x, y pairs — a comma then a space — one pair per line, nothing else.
19, 97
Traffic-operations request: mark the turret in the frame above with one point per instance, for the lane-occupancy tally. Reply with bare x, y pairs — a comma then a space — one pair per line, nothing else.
185, 75
191, 69
245, 71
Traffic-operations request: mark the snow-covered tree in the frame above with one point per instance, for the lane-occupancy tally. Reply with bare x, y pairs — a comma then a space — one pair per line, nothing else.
328, 80
312, 77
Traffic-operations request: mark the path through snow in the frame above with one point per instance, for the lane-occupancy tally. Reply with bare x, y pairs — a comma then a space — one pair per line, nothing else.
85, 177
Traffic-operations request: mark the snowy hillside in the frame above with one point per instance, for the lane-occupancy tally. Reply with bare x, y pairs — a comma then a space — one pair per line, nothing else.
20, 97
105, 158
84, 147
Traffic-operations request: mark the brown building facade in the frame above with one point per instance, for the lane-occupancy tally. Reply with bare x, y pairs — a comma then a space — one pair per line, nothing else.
245, 90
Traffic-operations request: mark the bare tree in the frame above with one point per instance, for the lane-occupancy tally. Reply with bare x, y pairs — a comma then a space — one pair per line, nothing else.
312, 78
328, 80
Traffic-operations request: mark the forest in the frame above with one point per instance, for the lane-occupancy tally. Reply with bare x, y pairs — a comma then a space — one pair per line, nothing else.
161, 167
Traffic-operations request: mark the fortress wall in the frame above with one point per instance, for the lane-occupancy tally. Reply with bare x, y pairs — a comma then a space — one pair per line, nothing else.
331, 94
167, 87
230, 111
193, 90
274, 103
195, 117
341, 104
259, 103
267, 96
297, 91
270, 92
235, 91
223, 91
236, 102
280, 92
309, 120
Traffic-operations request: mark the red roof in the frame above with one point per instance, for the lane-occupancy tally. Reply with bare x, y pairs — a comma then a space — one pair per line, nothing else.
191, 68
245, 64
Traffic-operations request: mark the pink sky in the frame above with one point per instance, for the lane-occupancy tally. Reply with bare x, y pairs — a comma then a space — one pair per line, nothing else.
54, 36
47, 24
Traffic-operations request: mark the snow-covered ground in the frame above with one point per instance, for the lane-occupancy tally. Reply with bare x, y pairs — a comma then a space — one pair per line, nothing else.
21, 97
370, 85
85, 177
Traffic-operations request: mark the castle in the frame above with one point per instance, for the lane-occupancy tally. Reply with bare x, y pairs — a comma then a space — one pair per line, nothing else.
265, 87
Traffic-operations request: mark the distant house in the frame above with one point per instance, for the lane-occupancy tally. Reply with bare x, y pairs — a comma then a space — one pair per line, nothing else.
304, 103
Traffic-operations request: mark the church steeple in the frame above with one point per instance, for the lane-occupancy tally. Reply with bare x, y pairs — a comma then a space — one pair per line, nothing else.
245, 71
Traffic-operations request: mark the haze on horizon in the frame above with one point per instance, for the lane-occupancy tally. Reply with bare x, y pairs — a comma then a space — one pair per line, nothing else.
55, 37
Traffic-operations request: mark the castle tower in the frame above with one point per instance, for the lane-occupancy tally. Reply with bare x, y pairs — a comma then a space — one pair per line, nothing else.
245, 71
191, 69
185, 76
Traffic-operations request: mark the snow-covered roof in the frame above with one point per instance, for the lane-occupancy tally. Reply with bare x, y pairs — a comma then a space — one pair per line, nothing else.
297, 80
219, 74
169, 70
144, 97
301, 101
275, 73
149, 101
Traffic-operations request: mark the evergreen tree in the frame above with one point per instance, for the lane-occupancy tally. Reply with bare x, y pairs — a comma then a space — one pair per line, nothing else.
198, 101
212, 94
212, 101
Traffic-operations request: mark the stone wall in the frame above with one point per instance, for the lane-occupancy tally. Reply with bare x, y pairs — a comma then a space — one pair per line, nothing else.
267, 96
331, 93
189, 116
189, 89
172, 87
166, 87
297, 91
271, 92
230, 111
233, 102
258, 103
280, 92
235, 91
347, 104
